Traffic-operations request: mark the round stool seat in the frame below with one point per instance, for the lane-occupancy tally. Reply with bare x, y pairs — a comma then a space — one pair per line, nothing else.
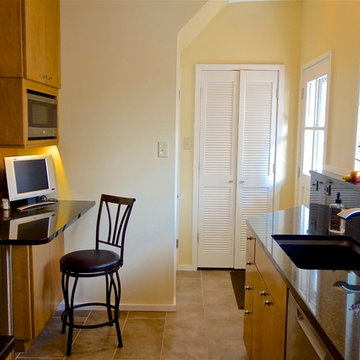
89, 261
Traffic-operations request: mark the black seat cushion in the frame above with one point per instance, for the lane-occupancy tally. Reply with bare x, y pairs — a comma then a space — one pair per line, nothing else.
89, 261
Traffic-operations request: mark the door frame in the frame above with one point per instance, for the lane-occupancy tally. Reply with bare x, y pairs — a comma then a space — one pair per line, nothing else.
278, 134
301, 116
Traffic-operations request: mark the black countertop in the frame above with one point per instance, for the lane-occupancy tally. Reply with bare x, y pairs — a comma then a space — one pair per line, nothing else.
41, 225
31, 227
6, 345
333, 313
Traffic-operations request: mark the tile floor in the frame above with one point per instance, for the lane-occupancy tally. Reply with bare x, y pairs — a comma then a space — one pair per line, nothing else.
206, 325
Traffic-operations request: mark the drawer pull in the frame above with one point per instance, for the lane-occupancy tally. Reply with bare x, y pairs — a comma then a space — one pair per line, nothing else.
247, 312
249, 263
267, 303
249, 238
263, 293
248, 287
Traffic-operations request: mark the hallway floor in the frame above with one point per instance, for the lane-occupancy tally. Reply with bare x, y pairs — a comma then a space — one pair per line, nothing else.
206, 325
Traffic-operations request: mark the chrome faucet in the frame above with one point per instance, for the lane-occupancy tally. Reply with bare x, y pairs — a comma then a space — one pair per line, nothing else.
347, 213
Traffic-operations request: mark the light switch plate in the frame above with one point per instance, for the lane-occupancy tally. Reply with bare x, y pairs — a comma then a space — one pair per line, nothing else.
163, 149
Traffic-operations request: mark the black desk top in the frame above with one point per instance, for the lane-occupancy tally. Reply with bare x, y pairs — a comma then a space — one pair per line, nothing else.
41, 225
6, 345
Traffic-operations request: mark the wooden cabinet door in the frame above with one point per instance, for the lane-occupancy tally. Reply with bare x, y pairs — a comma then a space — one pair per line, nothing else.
42, 41
273, 334
268, 338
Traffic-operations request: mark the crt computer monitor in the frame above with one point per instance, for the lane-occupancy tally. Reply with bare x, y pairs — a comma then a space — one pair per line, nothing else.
29, 176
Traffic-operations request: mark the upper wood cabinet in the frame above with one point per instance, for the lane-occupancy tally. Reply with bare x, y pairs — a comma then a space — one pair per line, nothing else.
31, 47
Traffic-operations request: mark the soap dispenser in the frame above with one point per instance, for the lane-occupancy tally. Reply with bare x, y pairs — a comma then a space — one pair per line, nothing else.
336, 223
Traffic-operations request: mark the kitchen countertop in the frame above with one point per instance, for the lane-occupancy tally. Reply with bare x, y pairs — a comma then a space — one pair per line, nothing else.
6, 345
40, 225
333, 313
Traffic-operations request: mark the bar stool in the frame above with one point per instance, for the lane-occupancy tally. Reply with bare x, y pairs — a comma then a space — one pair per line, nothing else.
113, 216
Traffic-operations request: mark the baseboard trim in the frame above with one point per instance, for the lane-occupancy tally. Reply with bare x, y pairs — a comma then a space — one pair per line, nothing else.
186, 268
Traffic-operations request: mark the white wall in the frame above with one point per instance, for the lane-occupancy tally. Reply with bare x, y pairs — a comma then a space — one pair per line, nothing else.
117, 101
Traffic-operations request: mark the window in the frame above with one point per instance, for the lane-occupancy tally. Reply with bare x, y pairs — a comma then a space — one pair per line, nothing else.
315, 83
314, 129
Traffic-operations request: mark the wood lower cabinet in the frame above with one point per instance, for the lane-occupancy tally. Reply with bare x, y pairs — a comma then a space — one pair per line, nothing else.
36, 287
264, 319
31, 47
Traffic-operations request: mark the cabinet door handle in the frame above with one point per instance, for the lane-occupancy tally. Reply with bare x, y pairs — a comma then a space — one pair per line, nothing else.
249, 238
263, 293
248, 287
248, 263
267, 303
247, 312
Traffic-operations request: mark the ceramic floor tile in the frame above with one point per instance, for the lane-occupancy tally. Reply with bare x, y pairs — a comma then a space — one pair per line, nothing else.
206, 325
142, 339
47, 344
220, 297
185, 344
188, 274
189, 290
94, 348
186, 316
146, 315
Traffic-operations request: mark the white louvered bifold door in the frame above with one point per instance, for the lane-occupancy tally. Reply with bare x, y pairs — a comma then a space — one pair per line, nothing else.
256, 151
217, 168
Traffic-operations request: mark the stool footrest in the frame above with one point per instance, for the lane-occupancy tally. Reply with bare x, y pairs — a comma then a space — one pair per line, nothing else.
65, 314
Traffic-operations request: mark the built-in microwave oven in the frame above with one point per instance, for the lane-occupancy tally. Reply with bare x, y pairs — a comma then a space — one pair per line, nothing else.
42, 115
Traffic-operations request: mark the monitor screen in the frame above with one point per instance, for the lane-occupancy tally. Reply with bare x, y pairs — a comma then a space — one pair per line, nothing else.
29, 176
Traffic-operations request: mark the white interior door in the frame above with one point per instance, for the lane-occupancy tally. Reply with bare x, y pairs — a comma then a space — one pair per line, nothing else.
217, 168
238, 113
256, 151
313, 124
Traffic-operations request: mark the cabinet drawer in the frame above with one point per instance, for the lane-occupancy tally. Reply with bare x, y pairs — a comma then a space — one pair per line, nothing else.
272, 278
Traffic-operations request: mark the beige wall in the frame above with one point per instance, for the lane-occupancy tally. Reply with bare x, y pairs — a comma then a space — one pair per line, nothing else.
242, 33
118, 100
335, 25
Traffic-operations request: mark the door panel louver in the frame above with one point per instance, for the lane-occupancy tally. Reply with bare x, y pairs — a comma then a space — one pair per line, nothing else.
216, 228
218, 132
257, 129
254, 201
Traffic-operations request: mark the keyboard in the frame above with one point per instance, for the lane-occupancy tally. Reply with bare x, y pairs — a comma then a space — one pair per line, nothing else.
36, 205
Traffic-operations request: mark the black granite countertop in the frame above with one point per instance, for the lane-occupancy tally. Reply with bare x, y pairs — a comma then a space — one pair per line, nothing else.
334, 313
6, 345
41, 225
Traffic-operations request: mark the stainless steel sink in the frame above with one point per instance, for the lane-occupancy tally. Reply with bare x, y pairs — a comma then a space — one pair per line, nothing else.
321, 252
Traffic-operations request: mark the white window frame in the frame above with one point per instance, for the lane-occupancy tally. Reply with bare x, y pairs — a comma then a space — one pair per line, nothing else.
325, 58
